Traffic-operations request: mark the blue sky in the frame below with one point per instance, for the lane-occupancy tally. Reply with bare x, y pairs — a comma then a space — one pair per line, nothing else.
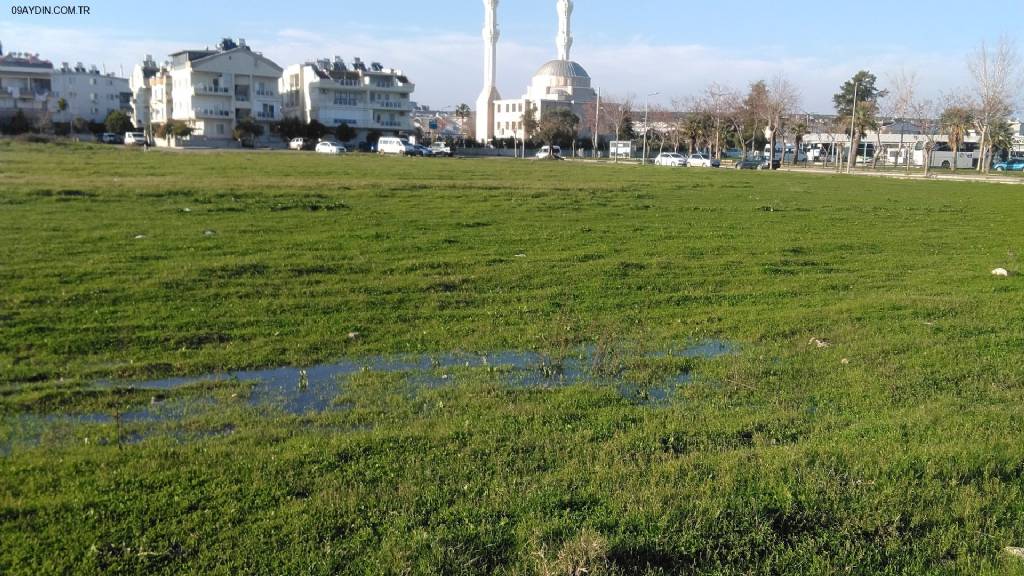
637, 47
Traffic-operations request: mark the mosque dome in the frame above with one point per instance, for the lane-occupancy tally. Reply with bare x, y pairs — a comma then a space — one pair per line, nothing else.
561, 80
562, 69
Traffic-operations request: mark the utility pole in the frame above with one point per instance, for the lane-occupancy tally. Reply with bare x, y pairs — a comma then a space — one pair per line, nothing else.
597, 121
851, 156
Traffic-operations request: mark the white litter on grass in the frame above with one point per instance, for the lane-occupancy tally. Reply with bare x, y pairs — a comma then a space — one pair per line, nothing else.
1012, 551
520, 255
139, 237
820, 343
208, 233
1002, 272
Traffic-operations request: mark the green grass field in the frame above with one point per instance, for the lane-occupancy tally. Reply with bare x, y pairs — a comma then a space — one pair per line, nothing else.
897, 449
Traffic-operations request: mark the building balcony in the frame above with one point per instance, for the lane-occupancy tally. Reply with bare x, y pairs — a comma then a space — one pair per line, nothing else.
211, 113
392, 105
399, 88
266, 93
261, 115
393, 124
204, 90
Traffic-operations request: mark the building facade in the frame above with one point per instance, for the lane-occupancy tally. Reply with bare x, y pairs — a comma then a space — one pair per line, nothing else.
212, 90
25, 84
368, 98
87, 94
140, 85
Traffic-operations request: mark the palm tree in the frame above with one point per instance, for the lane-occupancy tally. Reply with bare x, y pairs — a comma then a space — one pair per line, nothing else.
956, 120
799, 129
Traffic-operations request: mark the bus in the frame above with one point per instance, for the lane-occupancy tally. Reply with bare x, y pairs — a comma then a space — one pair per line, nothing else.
943, 155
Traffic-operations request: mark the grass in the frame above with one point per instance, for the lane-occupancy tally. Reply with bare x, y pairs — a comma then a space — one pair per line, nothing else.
896, 450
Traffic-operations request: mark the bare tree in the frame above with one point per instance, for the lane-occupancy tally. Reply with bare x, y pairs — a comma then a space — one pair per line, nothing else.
995, 74
901, 105
617, 116
772, 103
718, 100
925, 114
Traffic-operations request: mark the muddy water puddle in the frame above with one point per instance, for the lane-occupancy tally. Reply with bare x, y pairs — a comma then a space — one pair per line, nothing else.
316, 389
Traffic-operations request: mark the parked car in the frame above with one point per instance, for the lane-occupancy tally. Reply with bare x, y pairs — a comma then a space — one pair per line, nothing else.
702, 161
441, 149
670, 159
544, 152
135, 138
1009, 165
394, 145
750, 164
300, 144
423, 150
111, 138
328, 147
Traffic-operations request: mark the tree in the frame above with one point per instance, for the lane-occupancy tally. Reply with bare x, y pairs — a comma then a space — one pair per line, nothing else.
18, 124
463, 111
1000, 139
799, 129
529, 120
617, 117
80, 125
996, 80
289, 128
924, 113
172, 129
181, 129
718, 100
902, 104
247, 131
862, 88
118, 122
557, 127
315, 130
344, 132
956, 120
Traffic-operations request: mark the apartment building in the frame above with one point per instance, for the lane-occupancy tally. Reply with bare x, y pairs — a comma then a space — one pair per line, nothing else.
140, 85
214, 89
84, 93
371, 99
26, 81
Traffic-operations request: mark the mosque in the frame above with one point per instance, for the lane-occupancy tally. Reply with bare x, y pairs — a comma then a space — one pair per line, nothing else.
561, 83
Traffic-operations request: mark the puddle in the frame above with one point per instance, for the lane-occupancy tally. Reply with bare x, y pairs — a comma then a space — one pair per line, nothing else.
33, 429
303, 391
315, 389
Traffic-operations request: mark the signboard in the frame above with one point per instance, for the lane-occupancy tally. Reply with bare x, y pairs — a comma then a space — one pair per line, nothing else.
620, 149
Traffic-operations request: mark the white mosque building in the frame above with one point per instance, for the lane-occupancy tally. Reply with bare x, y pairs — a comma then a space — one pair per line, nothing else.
560, 83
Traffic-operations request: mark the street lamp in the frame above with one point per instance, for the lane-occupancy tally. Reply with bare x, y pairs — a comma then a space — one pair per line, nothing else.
646, 126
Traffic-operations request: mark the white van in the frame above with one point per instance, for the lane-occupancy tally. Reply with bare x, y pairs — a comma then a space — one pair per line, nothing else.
391, 145
134, 138
555, 151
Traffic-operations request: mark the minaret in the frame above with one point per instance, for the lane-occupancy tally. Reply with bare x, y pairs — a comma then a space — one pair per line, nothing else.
485, 103
564, 38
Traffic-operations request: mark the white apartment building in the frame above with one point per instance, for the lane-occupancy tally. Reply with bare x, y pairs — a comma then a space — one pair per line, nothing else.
370, 99
213, 89
141, 91
87, 94
25, 84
